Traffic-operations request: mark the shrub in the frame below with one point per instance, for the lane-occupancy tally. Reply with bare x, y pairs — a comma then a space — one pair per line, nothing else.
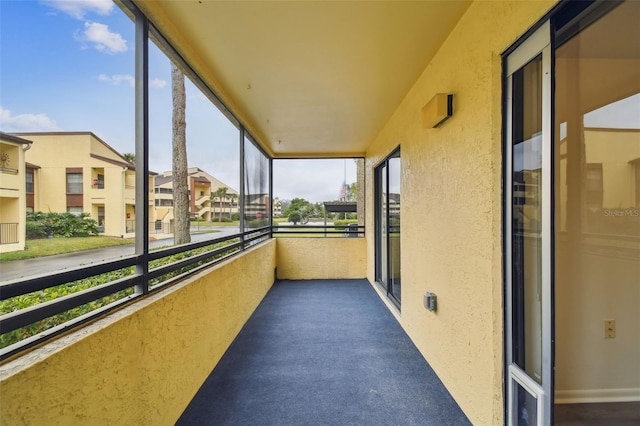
62, 224
35, 230
342, 223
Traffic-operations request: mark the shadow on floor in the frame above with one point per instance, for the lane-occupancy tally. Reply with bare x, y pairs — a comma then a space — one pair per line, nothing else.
322, 352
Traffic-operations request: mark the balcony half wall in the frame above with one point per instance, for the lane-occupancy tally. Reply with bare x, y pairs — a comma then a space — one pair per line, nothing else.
143, 364
321, 258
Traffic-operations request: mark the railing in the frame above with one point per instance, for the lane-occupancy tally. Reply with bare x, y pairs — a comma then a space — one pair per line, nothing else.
351, 230
165, 266
69, 298
9, 233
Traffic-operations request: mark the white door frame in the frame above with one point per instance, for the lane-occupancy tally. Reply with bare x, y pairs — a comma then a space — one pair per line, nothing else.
538, 43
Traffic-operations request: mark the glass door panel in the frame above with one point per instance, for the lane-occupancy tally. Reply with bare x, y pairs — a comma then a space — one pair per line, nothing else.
384, 245
394, 227
526, 237
597, 209
387, 238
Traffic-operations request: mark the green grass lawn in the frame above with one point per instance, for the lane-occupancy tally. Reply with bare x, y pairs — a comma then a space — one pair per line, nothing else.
51, 246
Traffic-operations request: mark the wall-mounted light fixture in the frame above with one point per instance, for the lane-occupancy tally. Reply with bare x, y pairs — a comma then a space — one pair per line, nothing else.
437, 110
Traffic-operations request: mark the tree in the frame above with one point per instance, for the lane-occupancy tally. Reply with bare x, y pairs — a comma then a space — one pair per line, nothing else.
294, 217
232, 198
220, 194
352, 192
284, 206
130, 157
300, 210
182, 232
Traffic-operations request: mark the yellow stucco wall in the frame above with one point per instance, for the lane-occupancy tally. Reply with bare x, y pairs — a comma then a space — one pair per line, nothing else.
451, 206
321, 258
143, 364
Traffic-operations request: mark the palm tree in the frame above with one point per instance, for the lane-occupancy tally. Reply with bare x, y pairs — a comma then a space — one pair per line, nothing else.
130, 157
232, 198
220, 193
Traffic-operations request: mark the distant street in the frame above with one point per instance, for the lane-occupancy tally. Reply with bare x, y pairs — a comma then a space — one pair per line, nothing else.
48, 264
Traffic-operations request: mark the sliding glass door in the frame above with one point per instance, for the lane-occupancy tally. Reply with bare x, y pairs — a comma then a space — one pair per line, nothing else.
387, 189
572, 214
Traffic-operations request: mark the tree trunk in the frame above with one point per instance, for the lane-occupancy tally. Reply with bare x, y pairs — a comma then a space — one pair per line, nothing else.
182, 233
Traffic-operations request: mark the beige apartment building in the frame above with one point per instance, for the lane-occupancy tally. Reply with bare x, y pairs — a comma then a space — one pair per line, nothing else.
12, 192
204, 201
78, 172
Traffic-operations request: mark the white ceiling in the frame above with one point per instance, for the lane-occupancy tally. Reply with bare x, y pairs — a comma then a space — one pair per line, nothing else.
308, 78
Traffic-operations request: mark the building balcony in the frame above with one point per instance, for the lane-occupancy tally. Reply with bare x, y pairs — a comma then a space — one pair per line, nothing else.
317, 344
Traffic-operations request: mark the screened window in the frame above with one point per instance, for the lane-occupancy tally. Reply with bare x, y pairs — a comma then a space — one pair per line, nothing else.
29, 182
74, 183
76, 211
257, 200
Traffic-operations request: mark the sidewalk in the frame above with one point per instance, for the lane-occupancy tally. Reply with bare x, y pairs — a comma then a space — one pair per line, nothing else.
28, 267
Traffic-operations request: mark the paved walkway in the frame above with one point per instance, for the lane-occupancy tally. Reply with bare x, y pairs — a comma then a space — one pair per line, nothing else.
28, 267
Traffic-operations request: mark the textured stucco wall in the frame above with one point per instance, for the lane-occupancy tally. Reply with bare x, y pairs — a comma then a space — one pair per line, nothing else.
321, 258
143, 364
451, 206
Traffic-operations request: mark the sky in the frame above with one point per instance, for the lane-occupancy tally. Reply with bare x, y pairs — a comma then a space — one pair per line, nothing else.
68, 65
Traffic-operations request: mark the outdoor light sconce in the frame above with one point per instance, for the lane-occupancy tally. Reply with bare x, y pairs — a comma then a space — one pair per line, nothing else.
437, 110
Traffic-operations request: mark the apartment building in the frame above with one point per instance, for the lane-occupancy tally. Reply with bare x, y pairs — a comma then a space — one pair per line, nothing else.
209, 198
14, 179
77, 172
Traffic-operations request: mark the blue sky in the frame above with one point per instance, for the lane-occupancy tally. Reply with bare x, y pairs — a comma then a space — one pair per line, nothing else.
68, 65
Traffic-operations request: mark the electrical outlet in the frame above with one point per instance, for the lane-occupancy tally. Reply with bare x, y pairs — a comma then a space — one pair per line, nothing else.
609, 329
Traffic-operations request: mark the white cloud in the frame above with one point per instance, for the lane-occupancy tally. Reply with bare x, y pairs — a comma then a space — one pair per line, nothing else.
26, 122
102, 38
79, 8
116, 79
157, 83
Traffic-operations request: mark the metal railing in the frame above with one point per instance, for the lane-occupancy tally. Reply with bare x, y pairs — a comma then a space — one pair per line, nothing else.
9, 233
351, 230
123, 282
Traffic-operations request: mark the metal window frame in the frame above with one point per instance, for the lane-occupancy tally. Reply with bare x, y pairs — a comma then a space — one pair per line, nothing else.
140, 279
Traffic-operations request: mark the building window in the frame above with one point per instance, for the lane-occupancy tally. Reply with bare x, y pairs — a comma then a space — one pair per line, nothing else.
594, 185
76, 211
99, 182
74, 183
29, 182
101, 216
